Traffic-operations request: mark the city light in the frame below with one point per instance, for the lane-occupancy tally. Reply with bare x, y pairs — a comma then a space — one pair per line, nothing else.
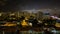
24, 24
12, 14
0, 14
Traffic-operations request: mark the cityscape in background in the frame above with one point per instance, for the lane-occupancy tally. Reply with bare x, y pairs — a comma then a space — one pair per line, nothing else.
29, 17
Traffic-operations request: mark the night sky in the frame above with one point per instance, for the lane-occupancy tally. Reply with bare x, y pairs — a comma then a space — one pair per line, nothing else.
16, 5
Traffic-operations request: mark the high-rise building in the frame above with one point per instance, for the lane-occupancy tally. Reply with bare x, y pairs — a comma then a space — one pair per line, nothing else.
39, 15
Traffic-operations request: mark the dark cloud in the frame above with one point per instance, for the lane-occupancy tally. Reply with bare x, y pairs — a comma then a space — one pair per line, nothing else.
14, 5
